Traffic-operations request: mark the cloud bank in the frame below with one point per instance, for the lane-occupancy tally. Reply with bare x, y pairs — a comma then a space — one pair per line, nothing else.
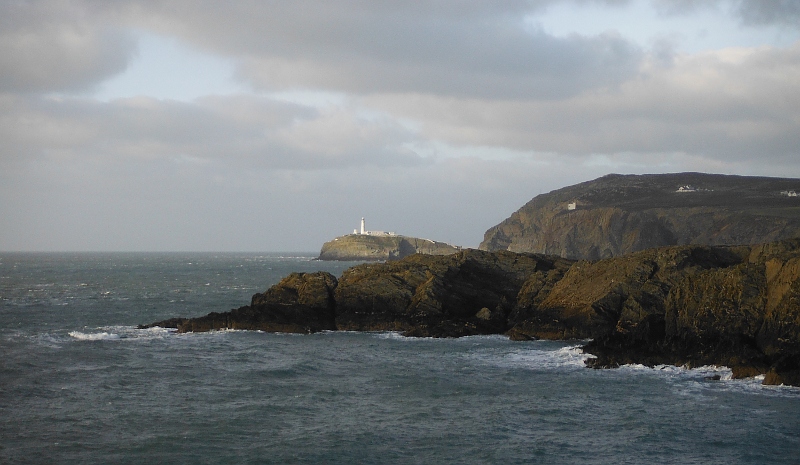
436, 119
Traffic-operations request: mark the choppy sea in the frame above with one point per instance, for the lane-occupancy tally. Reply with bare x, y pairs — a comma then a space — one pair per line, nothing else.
79, 384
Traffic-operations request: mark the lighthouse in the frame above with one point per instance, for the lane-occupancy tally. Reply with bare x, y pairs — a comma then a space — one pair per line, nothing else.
364, 232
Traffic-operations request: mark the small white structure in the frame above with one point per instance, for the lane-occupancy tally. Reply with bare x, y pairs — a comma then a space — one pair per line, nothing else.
364, 232
789, 193
687, 188
572, 206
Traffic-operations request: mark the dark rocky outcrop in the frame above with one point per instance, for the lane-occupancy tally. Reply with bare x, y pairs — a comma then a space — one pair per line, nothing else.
687, 305
471, 292
361, 247
619, 214
691, 305
299, 303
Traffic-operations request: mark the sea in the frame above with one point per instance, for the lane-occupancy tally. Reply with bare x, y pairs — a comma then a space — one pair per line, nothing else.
80, 384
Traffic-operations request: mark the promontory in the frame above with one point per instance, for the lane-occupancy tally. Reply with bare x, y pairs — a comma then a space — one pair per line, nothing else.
619, 214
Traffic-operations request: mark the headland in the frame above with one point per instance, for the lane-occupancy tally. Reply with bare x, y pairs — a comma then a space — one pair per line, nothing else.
618, 214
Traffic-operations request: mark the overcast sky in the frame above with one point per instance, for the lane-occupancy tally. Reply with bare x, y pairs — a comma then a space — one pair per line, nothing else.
276, 125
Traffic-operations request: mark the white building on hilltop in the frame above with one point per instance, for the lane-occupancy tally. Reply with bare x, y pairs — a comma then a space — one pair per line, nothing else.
364, 231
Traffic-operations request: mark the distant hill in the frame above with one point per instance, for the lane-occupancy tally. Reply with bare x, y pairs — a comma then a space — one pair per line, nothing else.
383, 247
619, 214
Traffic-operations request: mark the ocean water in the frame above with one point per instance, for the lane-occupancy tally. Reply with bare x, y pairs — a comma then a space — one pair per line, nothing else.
80, 384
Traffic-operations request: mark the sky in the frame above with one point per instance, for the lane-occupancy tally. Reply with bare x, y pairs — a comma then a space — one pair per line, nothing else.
258, 125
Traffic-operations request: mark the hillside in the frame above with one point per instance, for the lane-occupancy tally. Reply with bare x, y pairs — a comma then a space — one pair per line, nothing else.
619, 214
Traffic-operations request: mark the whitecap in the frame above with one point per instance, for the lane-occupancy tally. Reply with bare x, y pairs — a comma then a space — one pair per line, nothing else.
698, 380
396, 335
542, 355
146, 333
93, 336
128, 333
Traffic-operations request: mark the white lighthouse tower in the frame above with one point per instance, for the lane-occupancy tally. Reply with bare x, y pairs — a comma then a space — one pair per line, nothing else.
363, 228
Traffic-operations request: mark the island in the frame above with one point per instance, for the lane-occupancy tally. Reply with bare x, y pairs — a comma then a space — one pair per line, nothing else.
365, 245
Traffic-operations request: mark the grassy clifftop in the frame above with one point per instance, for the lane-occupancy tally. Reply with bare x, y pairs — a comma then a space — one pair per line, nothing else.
619, 214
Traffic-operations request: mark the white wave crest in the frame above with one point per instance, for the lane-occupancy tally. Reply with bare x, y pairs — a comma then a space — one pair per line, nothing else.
109, 333
93, 336
546, 357
397, 336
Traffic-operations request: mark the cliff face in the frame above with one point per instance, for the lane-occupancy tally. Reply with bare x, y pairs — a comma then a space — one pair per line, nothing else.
737, 306
471, 292
615, 215
365, 247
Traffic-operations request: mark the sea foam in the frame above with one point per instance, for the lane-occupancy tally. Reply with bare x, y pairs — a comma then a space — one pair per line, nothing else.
93, 336
106, 333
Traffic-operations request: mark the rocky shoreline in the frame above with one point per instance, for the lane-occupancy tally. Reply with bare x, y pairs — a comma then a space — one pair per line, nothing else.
737, 306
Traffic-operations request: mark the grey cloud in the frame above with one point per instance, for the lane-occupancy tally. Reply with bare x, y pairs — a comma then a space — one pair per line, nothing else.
483, 49
544, 67
57, 46
761, 12
728, 105
679, 7
244, 131
750, 12
142, 174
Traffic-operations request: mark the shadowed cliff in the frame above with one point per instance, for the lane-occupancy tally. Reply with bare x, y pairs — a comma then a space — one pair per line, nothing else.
619, 214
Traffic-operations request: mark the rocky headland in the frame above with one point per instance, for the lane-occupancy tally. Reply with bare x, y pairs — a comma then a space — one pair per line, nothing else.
685, 305
364, 247
619, 214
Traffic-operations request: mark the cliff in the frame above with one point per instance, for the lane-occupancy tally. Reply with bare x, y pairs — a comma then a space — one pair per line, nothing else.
686, 305
366, 247
619, 214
